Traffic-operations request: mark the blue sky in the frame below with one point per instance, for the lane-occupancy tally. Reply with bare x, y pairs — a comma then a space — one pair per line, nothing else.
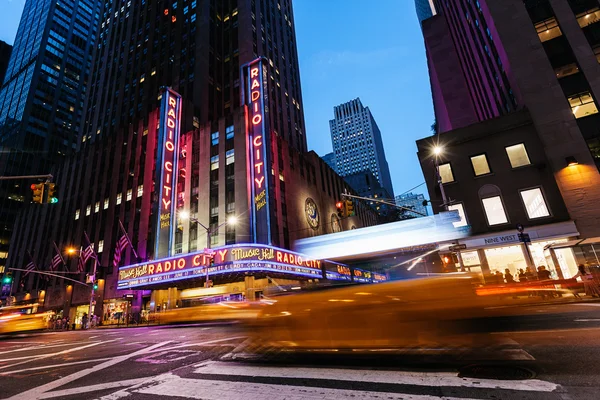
347, 49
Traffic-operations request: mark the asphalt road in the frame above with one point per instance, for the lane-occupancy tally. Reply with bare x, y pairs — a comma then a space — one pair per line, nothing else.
560, 343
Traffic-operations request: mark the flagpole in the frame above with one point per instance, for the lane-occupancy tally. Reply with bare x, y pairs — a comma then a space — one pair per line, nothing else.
93, 280
129, 240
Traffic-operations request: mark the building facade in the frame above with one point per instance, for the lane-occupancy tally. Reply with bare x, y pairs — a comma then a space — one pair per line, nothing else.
425, 9
414, 202
488, 60
357, 143
5, 51
329, 159
224, 140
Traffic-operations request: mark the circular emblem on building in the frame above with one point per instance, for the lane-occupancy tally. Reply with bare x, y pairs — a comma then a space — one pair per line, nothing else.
336, 226
312, 213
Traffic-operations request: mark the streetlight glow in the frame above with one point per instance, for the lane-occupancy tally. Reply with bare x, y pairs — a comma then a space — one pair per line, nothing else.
71, 250
184, 215
232, 220
437, 150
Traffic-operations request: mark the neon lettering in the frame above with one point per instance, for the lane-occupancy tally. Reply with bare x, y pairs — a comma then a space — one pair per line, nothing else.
260, 181
169, 166
169, 145
257, 119
257, 141
253, 72
255, 95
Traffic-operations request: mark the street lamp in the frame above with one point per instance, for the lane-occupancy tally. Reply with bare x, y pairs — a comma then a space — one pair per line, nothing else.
93, 284
437, 151
185, 215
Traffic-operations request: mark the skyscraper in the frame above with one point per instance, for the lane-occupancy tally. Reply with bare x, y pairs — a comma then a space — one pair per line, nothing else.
425, 9
489, 58
413, 202
5, 50
45, 85
329, 159
357, 143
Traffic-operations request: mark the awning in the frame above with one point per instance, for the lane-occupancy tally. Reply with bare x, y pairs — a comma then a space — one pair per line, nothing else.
569, 243
594, 240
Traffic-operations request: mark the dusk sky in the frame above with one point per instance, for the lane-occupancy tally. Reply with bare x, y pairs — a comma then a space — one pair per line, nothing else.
348, 49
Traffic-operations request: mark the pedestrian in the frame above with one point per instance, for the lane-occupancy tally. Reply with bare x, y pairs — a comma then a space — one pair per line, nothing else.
508, 276
543, 273
522, 276
94, 320
64, 323
84, 321
67, 323
589, 283
529, 274
499, 278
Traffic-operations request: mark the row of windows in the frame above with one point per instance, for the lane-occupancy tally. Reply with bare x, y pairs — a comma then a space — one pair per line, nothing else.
119, 199
495, 213
517, 155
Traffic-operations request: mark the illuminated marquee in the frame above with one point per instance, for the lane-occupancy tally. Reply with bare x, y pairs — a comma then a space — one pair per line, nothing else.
167, 171
255, 78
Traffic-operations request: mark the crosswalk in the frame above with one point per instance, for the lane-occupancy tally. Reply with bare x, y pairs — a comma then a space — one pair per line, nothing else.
218, 380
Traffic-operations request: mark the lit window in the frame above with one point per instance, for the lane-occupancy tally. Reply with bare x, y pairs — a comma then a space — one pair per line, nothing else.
494, 210
214, 163
214, 137
517, 155
534, 203
140, 190
583, 105
229, 133
97, 207
480, 165
229, 157
445, 171
77, 214
548, 29
106, 202
88, 210
589, 17
461, 212
119, 198
100, 246
129, 194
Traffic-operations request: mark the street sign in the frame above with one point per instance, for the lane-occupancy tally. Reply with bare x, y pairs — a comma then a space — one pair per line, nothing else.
89, 278
128, 296
524, 237
457, 247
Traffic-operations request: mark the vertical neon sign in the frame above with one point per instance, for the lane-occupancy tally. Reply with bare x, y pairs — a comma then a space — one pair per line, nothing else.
167, 171
254, 76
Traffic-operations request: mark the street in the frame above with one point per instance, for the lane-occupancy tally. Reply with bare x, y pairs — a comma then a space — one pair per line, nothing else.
561, 345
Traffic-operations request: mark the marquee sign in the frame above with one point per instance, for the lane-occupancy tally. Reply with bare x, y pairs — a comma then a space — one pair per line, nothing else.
167, 171
227, 259
254, 78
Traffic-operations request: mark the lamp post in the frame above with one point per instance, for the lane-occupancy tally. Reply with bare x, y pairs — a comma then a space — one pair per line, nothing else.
72, 251
437, 151
184, 215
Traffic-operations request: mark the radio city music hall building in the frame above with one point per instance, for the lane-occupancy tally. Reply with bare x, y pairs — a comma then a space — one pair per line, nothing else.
226, 140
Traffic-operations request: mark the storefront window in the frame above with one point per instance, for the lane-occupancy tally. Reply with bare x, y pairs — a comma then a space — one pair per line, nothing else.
511, 257
567, 262
470, 258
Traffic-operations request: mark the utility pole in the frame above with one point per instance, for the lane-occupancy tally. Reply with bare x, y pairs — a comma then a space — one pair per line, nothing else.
351, 196
8, 178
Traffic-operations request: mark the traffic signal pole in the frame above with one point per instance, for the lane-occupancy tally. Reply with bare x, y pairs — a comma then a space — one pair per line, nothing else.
8, 178
381, 202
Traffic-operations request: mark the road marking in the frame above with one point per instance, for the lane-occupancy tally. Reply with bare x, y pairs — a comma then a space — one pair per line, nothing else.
52, 354
53, 366
38, 392
35, 348
92, 388
172, 386
588, 304
200, 344
447, 379
587, 320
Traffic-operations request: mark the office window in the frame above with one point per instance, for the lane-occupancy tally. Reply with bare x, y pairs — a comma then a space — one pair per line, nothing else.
229, 157
129, 194
229, 132
445, 171
97, 207
119, 197
77, 214
214, 163
535, 204
461, 212
494, 210
583, 105
548, 29
589, 17
214, 138
480, 165
100, 246
517, 155
88, 210
140, 190
106, 202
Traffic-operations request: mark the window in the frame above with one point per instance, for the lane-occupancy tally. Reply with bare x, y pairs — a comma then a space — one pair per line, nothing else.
445, 171
548, 29
461, 212
119, 197
100, 246
140, 190
77, 214
214, 138
106, 202
229, 157
214, 163
589, 17
480, 165
88, 210
97, 207
535, 204
494, 210
583, 105
129, 194
517, 155
229, 133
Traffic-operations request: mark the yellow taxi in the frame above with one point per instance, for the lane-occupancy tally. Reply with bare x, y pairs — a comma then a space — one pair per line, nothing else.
13, 320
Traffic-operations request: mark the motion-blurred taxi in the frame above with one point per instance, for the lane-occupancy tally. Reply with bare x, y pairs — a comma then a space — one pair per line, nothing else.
221, 311
437, 310
12, 320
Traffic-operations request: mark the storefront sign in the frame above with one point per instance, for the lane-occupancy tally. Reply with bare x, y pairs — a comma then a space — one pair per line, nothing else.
258, 140
167, 171
360, 275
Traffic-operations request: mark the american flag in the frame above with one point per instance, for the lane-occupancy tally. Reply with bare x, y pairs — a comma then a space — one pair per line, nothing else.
85, 255
29, 267
121, 245
57, 259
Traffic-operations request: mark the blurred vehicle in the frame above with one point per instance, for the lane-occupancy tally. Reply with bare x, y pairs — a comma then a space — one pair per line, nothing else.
221, 311
437, 311
16, 319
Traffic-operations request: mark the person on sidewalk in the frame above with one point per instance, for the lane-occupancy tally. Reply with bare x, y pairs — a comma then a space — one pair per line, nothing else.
508, 276
589, 283
84, 321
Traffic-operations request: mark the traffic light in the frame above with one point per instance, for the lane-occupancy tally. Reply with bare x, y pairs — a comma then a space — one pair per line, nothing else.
51, 193
7, 278
350, 208
95, 286
340, 209
38, 192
